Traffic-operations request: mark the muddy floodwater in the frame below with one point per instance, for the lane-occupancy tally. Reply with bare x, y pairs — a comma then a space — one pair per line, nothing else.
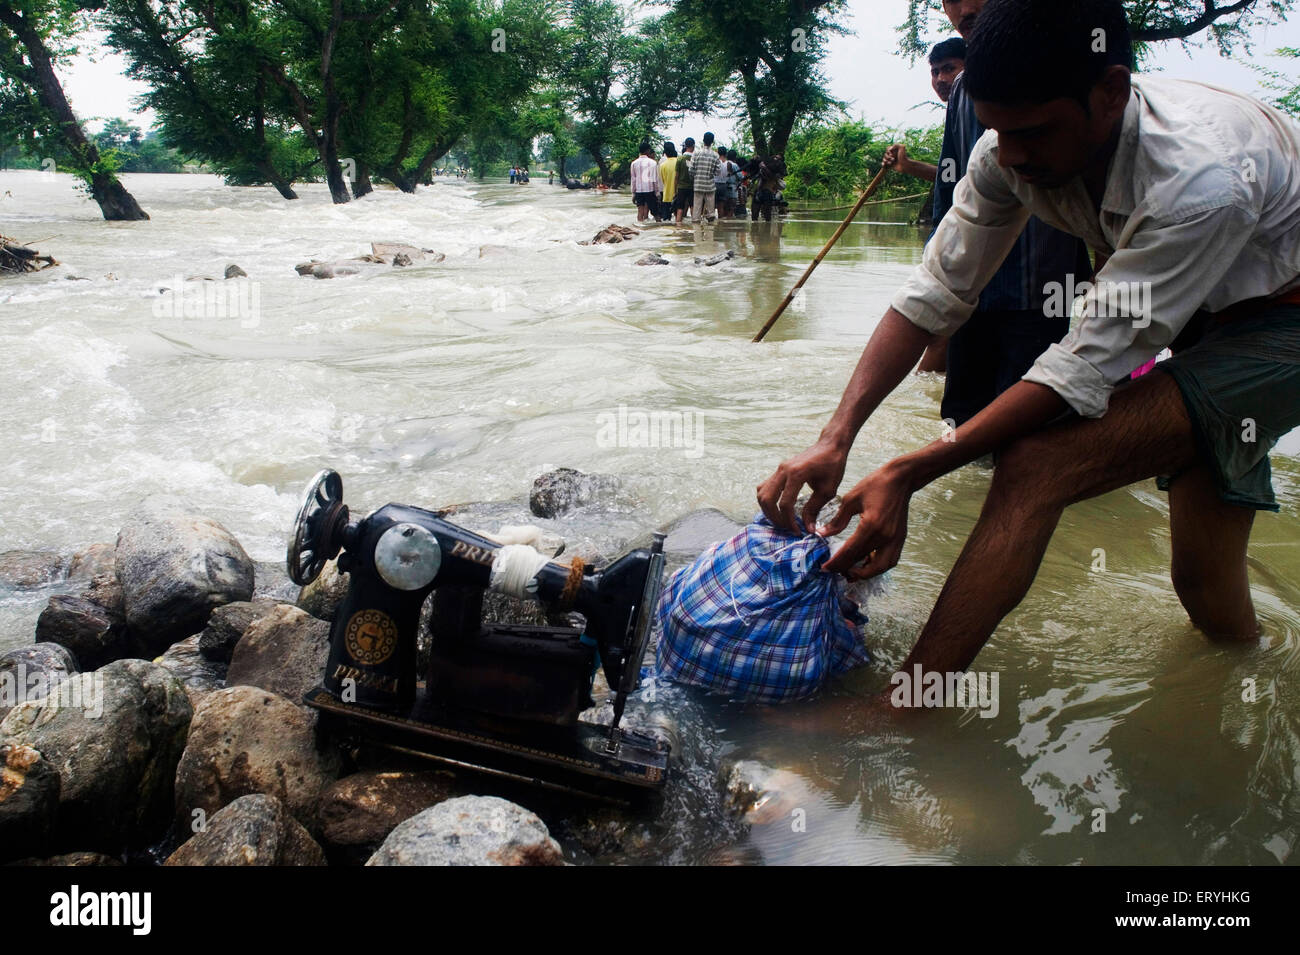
1121, 735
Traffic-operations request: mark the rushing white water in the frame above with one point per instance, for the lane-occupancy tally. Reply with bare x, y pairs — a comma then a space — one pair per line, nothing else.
464, 380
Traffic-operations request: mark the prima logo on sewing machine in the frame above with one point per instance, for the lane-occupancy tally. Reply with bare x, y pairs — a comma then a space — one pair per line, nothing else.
371, 637
480, 555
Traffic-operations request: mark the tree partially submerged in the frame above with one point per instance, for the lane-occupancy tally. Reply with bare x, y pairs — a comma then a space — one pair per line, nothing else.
33, 34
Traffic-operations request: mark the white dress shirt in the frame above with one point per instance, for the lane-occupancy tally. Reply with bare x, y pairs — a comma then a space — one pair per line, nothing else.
1201, 210
645, 175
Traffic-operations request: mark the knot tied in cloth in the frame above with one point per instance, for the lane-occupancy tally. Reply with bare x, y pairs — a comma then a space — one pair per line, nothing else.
757, 618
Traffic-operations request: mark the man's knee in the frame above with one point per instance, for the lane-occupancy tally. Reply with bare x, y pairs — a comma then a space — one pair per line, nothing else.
1027, 476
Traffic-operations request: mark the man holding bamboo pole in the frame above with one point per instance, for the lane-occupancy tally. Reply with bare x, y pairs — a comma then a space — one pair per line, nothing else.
1191, 192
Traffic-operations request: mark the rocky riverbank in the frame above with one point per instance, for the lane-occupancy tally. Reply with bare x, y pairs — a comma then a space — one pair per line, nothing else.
156, 717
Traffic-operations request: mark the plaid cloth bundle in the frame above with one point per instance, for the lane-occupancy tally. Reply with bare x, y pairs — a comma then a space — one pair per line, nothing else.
757, 618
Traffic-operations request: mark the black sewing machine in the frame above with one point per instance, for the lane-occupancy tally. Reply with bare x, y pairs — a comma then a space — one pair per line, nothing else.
498, 698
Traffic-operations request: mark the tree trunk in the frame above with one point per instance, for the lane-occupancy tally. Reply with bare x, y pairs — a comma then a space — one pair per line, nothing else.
398, 178
602, 164
755, 110
431, 155
361, 183
115, 202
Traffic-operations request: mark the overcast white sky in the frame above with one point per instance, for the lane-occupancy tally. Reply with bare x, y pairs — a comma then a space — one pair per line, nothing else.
864, 70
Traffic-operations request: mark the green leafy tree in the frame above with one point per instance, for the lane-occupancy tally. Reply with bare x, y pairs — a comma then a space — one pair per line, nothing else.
624, 81
766, 56
34, 34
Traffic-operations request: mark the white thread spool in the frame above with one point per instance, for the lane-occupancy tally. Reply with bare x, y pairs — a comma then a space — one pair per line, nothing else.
515, 569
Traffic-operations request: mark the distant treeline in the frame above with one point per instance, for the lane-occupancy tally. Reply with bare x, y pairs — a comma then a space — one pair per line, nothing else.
122, 146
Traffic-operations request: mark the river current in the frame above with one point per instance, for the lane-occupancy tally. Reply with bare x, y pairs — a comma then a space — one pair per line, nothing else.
1122, 736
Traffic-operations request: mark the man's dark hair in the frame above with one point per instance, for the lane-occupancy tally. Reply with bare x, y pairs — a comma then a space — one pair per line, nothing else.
1034, 51
722, 150
688, 141
708, 139
645, 149
670, 150
953, 48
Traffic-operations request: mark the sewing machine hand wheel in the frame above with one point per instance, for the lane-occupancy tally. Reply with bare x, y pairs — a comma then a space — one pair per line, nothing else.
316, 534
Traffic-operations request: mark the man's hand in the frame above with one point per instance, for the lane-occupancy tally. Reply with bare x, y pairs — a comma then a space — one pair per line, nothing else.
821, 467
882, 500
896, 157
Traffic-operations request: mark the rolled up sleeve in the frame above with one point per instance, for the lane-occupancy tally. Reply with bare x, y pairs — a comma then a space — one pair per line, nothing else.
967, 249
1143, 297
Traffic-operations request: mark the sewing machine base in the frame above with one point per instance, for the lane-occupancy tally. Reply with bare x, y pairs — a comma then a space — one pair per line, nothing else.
571, 759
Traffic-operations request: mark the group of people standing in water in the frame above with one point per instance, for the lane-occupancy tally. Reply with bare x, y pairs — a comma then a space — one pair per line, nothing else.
704, 183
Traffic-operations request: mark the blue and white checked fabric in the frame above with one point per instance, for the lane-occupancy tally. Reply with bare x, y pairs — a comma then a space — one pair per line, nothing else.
757, 618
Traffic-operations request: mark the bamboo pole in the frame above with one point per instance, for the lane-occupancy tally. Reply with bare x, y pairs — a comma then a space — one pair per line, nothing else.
785, 302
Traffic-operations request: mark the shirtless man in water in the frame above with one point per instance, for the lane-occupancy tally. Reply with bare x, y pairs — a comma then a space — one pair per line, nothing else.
1192, 193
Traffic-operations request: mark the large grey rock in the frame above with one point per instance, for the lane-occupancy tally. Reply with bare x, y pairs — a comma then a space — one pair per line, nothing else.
321, 597
176, 567
284, 651
245, 740
29, 802
557, 492
197, 673
94, 634
28, 569
358, 812
94, 560
253, 830
29, 672
470, 830
114, 736
226, 627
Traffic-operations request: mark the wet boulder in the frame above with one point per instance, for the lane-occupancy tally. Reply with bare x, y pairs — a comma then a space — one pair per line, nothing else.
253, 830
470, 830
614, 233
93, 561
92, 626
359, 811
28, 673
27, 569
226, 627
114, 737
321, 597
403, 254
652, 258
244, 740
718, 259
197, 673
176, 567
284, 650
557, 492
235, 272
29, 802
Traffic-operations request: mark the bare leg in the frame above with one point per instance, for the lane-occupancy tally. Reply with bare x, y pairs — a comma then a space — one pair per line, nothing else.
935, 357
1209, 562
1145, 432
